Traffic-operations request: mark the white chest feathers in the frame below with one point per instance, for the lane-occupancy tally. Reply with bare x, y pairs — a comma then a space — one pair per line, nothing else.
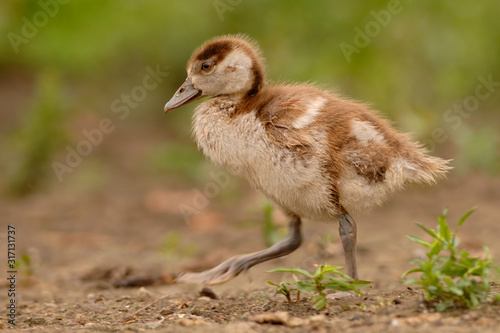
235, 143
240, 143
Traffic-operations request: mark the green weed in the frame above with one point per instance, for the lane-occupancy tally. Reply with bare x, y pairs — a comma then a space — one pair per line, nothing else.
24, 265
320, 281
270, 232
282, 289
172, 247
452, 278
40, 136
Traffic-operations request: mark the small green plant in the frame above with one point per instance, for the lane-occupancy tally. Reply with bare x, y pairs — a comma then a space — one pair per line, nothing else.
321, 281
24, 265
284, 290
271, 233
452, 279
172, 247
41, 135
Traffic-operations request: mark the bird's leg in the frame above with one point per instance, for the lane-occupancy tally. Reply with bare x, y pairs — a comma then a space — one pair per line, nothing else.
347, 231
237, 264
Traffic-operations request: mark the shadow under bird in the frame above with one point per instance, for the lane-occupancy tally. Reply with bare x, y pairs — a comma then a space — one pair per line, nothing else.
315, 154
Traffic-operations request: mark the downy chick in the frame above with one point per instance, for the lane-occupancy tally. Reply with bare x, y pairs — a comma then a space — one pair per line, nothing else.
317, 155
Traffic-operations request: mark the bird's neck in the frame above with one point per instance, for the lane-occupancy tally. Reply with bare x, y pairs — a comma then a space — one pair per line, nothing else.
251, 100
241, 103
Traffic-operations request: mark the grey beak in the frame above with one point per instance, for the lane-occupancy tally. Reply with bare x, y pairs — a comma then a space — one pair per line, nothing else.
185, 94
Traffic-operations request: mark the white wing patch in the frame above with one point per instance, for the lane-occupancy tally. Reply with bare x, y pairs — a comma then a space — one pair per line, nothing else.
366, 132
312, 110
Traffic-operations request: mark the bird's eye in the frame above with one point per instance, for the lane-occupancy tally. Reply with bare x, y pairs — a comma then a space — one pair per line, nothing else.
206, 66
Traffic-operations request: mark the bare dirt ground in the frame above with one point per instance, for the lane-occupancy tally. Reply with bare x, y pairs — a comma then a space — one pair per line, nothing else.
103, 259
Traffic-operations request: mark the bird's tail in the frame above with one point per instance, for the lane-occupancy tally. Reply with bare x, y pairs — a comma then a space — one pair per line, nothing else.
426, 169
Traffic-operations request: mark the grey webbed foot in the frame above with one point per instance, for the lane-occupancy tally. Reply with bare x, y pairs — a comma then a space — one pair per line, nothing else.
237, 264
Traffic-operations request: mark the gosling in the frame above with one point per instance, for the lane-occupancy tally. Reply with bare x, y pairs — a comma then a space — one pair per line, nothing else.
315, 154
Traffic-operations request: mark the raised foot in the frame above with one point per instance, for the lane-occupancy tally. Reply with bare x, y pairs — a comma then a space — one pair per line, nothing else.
237, 264
217, 275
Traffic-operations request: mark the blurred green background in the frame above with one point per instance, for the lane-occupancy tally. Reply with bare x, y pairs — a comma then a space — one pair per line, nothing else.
66, 66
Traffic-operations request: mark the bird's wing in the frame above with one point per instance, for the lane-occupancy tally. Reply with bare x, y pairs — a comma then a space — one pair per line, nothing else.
279, 119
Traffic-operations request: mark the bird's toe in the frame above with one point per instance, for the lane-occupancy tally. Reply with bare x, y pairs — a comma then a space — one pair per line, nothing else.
217, 275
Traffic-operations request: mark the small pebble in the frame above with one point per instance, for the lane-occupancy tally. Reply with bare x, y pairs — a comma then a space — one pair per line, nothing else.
192, 322
81, 319
275, 318
208, 293
143, 294
167, 311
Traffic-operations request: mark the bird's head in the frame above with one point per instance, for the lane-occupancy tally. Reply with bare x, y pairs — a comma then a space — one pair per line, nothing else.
228, 65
